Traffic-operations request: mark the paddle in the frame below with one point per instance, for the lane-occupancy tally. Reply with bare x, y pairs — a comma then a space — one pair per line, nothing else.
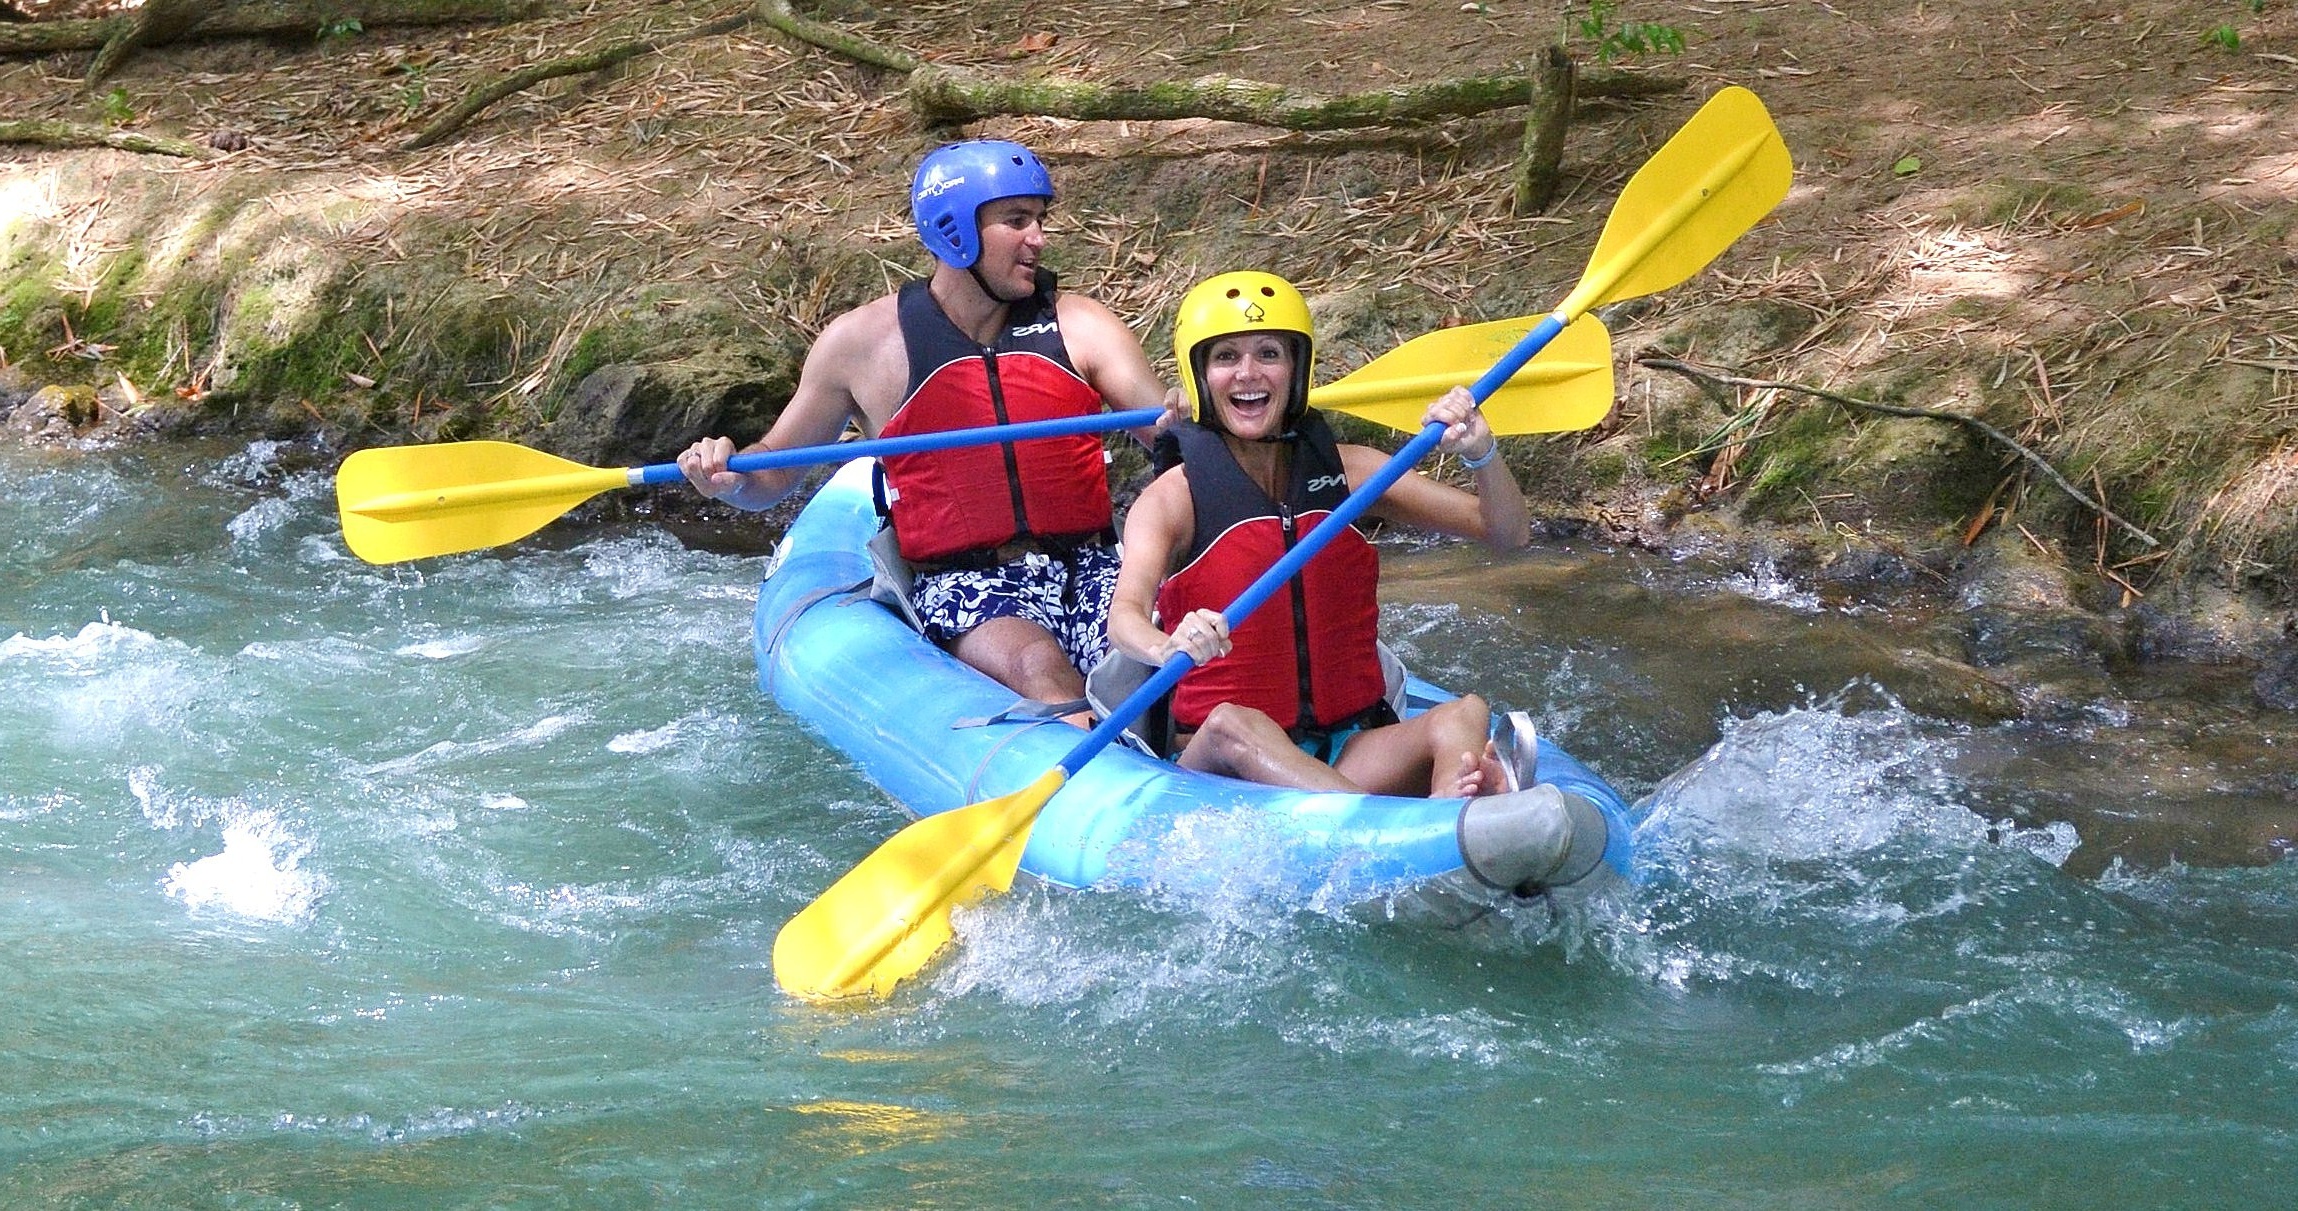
409, 502
1726, 168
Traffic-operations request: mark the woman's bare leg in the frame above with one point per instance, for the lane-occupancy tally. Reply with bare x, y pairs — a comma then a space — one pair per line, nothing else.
1245, 743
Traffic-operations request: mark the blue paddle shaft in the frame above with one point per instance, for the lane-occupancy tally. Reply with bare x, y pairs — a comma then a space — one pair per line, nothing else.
1259, 592
880, 447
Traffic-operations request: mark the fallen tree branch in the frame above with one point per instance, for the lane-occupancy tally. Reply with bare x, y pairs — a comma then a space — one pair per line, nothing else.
266, 18
776, 14
157, 23
574, 65
1704, 376
74, 134
955, 95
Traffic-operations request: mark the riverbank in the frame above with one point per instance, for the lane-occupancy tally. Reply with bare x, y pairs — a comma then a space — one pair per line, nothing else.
2077, 229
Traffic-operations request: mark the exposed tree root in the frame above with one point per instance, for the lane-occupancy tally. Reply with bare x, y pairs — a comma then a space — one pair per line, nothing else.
777, 14
75, 134
574, 65
1991, 433
157, 23
262, 18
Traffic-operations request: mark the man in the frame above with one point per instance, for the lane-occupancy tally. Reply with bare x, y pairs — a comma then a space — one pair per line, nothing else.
1013, 544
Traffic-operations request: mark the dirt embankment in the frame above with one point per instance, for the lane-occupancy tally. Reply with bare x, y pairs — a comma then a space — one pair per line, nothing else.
2074, 222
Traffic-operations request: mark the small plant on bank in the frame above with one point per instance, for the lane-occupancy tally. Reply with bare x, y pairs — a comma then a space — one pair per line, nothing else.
2224, 35
415, 89
1626, 38
117, 110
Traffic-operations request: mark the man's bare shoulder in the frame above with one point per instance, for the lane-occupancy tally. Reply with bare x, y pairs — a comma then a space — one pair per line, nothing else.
1075, 310
865, 332
860, 356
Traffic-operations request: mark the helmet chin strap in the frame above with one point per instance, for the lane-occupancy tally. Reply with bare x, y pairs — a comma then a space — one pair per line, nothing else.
978, 280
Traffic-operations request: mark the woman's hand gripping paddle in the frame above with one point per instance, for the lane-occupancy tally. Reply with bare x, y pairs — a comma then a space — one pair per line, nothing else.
409, 502
1726, 168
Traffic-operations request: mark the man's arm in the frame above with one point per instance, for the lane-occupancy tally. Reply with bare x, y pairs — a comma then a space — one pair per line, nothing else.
1107, 353
816, 415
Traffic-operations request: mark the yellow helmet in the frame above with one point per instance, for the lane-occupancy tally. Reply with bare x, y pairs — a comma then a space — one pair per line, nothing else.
1227, 304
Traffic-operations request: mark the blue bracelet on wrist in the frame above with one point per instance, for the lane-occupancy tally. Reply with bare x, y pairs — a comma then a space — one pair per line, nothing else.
1478, 464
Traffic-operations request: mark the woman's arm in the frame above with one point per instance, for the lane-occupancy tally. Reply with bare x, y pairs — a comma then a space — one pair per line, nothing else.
1495, 514
1156, 527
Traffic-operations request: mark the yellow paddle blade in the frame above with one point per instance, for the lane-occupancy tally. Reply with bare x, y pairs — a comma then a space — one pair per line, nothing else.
1726, 168
880, 923
406, 502
1568, 386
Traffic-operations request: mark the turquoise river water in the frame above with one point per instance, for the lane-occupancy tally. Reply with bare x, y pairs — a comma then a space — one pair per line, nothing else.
454, 884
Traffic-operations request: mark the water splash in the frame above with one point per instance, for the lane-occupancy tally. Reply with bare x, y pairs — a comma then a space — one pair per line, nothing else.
103, 684
1763, 582
259, 876
535, 735
444, 649
263, 517
255, 464
1841, 776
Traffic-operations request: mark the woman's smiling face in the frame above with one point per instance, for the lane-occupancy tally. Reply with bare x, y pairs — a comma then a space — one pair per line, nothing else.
1249, 377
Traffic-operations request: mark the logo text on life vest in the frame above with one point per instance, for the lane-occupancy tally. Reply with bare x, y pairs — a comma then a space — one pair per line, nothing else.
1034, 329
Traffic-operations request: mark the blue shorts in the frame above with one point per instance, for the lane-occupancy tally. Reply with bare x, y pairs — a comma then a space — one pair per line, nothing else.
1068, 595
1327, 746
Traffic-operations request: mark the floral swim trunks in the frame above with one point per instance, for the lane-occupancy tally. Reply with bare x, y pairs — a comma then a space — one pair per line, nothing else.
1068, 595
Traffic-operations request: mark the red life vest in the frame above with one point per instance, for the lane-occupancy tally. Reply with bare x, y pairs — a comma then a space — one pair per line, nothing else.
1309, 657
948, 502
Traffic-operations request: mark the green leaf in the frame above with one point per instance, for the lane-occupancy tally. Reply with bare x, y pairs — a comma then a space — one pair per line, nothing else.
1907, 166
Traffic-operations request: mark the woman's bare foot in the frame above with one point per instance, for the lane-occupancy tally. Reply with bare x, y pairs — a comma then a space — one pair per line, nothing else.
1473, 775
1491, 775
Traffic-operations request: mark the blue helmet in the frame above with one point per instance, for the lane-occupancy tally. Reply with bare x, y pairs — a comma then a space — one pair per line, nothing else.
956, 180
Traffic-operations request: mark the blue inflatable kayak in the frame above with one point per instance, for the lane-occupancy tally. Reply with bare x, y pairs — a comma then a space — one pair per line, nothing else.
936, 736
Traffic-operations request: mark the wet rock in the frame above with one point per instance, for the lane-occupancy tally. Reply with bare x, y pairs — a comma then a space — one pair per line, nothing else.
2022, 608
628, 412
1865, 567
1949, 689
2277, 681
54, 414
15, 387
2209, 622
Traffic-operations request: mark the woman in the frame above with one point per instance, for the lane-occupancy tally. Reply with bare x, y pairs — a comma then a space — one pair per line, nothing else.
1295, 696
